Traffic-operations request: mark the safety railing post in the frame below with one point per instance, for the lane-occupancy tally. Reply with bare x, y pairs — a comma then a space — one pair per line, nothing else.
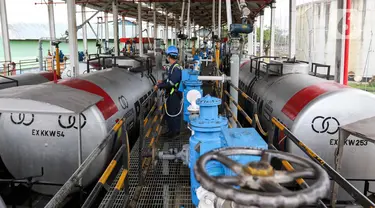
140, 144
271, 133
125, 155
255, 111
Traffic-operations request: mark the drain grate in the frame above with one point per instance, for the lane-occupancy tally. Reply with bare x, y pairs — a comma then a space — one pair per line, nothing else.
167, 185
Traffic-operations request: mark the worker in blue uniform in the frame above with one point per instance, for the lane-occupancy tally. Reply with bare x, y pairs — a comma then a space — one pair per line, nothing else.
173, 96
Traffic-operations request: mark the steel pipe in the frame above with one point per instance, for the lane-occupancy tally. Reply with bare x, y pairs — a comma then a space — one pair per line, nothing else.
84, 29
222, 78
72, 29
347, 41
219, 21
5, 33
106, 31
182, 16
261, 39
166, 29
213, 16
123, 27
272, 44
51, 23
155, 28
229, 13
188, 20
139, 20
255, 39
115, 27
292, 28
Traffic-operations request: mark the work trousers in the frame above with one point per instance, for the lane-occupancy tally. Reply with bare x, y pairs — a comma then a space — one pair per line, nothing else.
173, 107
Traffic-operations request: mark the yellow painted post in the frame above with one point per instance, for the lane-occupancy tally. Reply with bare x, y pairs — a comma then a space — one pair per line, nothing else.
58, 61
217, 55
193, 48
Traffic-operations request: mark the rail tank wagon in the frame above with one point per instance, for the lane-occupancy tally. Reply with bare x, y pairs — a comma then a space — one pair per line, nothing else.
314, 108
26, 79
49, 140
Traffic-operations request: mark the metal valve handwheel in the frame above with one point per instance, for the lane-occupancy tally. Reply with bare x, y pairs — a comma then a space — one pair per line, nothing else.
257, 183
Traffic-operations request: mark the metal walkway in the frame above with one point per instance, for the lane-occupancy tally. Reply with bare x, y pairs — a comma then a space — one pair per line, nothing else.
167, 185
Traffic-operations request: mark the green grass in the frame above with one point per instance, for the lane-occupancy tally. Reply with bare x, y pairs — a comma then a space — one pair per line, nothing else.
363, 86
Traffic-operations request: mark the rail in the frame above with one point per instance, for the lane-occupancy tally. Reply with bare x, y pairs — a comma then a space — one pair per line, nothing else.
254, 120
21, 66
123, 181
147, 153
11, 80
314, 68
256, 61
232, 114
76, 177
348, 187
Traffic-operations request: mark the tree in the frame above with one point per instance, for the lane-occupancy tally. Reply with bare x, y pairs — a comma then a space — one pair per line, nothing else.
279, 37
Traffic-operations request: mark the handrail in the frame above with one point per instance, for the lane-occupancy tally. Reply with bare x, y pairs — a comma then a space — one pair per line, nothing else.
300, 181
233, 116
316, 65
348, 187
103, 179
247, 117
9, 78
65, 190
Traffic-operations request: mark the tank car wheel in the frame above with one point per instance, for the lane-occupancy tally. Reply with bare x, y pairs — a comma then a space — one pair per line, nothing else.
257, 183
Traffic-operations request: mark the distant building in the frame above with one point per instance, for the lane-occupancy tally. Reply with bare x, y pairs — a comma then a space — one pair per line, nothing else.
317, 30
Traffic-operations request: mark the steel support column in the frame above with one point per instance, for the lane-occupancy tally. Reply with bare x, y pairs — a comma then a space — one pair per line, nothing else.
234, 75
347, 42
155, 27
213, 17
106, 31
72, 29
115, 27
84, 30
175, 26
261, 39
182, 17
5, 33
51, 23
340, 42
166, 29
255, 39
188, 21
219, 21
229, 13
272, 44
123, 27
292, 28
250, 44
139, 20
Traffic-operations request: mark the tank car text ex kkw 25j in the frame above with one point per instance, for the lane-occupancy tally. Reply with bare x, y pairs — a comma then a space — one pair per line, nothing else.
314, 108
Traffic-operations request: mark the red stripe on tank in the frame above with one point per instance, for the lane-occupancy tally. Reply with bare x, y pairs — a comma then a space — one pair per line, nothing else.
48, 75
244, 63
106, 106
303, 97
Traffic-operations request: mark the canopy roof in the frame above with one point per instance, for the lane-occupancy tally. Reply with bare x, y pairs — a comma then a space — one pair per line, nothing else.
200, 10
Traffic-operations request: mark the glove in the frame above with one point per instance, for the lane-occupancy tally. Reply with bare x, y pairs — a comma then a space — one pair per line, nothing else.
155, 87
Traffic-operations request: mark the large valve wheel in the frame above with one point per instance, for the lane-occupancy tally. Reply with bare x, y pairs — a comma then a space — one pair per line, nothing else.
257, 183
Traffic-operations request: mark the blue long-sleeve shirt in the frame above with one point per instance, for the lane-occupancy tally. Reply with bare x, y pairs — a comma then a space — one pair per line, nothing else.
174, 77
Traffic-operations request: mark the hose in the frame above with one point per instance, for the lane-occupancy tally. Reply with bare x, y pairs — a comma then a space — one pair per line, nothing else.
166, 109
259, 125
